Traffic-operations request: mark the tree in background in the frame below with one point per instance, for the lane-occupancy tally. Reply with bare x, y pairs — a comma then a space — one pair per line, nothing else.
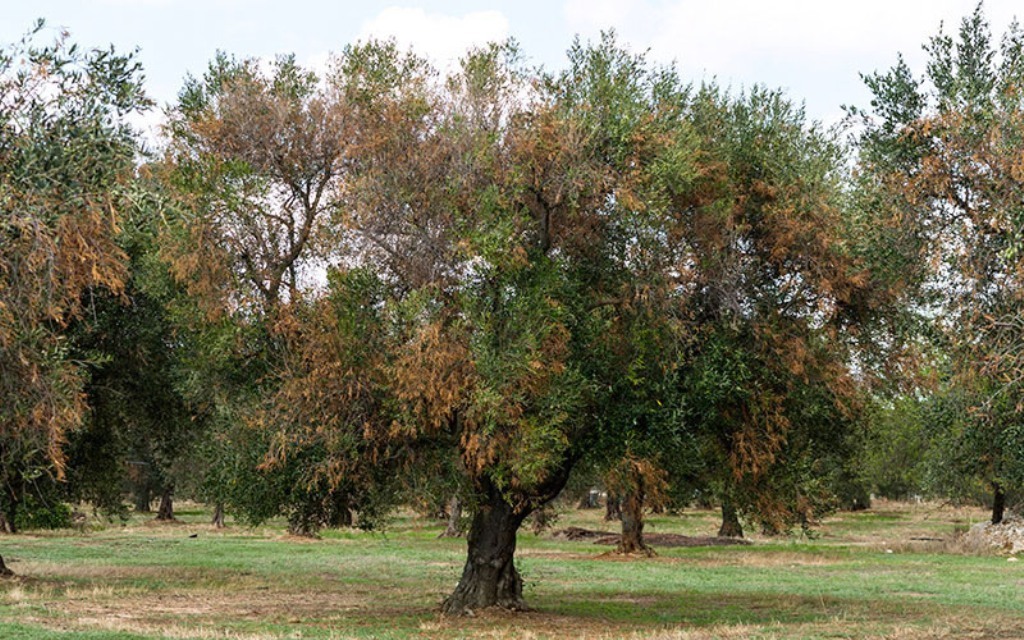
140, 428
896, 456
67, 160
253, 169
775, 285
941, 157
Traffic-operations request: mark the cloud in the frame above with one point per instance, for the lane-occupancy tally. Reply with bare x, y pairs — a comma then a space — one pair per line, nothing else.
727, 33
588, 15
439, 37
135, 4
814, 49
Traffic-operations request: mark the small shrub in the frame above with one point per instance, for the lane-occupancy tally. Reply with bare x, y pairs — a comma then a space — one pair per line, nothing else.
40, 513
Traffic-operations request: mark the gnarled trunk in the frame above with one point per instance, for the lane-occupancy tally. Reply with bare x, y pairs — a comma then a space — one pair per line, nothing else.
490, 578
454, 528
166, 510
998, 503
218, 515
632, 514
731, 527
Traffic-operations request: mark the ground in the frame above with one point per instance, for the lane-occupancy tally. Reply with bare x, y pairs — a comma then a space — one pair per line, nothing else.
892, 572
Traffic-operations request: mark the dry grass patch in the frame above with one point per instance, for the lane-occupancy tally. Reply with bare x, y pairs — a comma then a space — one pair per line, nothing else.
204, 614
766, 559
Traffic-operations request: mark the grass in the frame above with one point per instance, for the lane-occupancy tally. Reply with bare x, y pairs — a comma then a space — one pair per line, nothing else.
864, 575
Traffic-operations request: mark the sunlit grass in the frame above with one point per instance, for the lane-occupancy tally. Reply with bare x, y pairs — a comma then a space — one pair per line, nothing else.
863, 576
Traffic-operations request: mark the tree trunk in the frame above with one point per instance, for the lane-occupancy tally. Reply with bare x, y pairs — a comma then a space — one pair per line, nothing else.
998, 503
612, 507
4, 571
731, 527
218, 515
632, 514
490, 578
143, 498
342, 517
589, 500
166, 510
303, 528
15, 492
454, 528
339, 512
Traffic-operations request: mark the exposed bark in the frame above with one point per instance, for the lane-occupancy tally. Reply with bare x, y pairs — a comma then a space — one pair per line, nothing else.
490, 578
632, 515
218, 515
731, 527
998, 503
4, 526
166, 511
612, 507
454, 528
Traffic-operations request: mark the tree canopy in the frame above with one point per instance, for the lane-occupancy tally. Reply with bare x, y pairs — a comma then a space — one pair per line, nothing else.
68, 162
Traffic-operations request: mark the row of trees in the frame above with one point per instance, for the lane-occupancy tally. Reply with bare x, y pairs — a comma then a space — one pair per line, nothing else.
341, 292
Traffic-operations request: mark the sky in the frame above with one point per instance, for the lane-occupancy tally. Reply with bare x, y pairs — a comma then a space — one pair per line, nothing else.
812, 49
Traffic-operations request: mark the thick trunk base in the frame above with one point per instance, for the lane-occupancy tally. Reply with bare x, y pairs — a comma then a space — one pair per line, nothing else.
485, 586
218, 516
489, 578
632, 540
998, 503
166, 511
731, 527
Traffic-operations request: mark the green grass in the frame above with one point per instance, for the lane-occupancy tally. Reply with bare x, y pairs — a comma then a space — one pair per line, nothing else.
863, 576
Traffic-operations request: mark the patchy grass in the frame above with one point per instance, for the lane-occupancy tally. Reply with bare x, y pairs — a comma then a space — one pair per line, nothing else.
864, 575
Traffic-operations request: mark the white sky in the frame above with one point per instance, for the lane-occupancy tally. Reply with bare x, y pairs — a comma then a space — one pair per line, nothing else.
814, 49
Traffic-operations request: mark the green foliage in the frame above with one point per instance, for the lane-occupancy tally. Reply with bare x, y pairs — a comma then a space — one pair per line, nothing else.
897, 454
940, 155
66, 167
38, 512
